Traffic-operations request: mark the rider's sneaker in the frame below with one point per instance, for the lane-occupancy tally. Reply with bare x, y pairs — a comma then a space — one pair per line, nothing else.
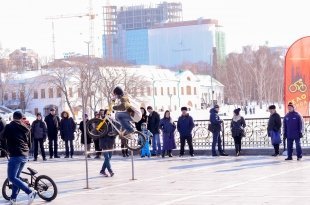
127, 134
103, 173
13, 202
32, 196
112, 133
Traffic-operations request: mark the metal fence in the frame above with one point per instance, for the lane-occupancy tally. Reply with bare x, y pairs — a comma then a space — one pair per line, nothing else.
256, 135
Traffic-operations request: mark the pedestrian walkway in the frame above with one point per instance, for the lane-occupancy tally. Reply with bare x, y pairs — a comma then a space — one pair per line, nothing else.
198, 180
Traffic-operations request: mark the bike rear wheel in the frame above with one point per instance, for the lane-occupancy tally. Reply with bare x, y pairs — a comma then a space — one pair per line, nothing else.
135, 141
91, 130
7, 189
46, 188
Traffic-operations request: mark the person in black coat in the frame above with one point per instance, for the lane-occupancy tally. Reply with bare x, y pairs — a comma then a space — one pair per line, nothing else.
143, 119
274, 129
216, 124
153, 126
237, 129
2, 142
17, 137
185, 126
39, 133
107, 144
53, 124
88, 138
67, 129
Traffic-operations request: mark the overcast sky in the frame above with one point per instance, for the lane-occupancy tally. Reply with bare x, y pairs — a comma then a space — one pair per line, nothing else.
252, 22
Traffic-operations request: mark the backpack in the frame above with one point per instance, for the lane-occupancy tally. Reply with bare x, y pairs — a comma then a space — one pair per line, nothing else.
236, 128
134, 106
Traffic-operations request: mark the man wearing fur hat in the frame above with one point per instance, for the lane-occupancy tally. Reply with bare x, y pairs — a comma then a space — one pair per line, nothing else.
293, 128
274, 129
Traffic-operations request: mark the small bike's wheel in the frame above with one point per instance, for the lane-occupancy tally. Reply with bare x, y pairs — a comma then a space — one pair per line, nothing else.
135, 141
46, 188
91, 130
7, 189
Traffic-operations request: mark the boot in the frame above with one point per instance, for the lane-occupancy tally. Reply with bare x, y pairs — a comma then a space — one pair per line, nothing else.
170, 153
163, 154
127, 153
124, 153
237, 147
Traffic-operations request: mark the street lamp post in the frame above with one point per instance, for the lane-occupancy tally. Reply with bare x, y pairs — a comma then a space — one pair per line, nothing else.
83, 117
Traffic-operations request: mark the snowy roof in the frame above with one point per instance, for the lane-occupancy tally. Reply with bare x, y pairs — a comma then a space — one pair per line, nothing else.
207, 80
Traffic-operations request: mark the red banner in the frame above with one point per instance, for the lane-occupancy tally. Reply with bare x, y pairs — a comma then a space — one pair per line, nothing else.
297, 76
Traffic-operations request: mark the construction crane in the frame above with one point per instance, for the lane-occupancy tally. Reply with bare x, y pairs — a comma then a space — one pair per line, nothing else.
91, 16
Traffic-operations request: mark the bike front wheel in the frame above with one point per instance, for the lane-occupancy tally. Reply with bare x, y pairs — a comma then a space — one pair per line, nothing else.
135, 141
46, 188
91, 128
7, 189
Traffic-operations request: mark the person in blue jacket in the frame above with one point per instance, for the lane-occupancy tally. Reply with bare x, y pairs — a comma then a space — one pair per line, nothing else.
216, 124
185, 126
293, 127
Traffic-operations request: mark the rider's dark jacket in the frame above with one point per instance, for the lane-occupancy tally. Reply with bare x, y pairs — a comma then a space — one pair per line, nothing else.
17, 137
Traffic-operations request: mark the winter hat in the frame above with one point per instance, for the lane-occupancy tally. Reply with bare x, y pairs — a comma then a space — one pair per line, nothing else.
149, 108
85, 115
216, 106
183, 108
52, 109
272, 107
237, 111
96, 113
39, 114
17, 115
290, 104
118, 91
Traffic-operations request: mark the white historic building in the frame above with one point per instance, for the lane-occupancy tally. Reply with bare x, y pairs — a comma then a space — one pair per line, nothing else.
34, 91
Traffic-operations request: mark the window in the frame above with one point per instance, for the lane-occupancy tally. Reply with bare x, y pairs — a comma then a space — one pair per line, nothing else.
58, 92
168, 91
162, 91
195, 91
36, 110
142, 91
188, 90
13, 95
42, 93
155, 91
6, 96
79, 92
188, 78
50, 93
70, 92
148, 91
22, 96
134, 92
35, 94
174, 90
182, 91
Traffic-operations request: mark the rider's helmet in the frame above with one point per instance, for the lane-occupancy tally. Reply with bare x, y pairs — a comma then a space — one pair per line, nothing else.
118, 91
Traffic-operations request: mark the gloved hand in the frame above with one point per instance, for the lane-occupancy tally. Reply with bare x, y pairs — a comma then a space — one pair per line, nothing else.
301, 135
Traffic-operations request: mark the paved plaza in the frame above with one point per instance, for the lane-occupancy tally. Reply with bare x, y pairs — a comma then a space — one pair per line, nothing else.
199, 180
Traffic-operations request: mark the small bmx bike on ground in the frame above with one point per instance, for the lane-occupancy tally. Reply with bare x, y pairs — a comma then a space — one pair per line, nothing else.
97, 128
44, 185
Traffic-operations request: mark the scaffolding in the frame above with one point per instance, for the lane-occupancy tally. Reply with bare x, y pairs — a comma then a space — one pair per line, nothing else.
109, 29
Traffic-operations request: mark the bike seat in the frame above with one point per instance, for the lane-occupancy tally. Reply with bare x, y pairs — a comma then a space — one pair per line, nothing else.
32, 171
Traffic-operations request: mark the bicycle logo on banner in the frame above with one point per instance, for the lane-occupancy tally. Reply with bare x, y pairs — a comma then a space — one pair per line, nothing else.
298, 86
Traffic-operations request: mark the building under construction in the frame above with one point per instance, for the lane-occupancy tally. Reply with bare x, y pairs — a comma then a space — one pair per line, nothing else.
117, 21
159, 36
